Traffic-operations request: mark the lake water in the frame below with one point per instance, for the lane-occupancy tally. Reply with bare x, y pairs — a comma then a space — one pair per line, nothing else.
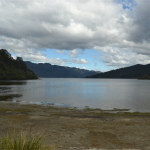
96, 93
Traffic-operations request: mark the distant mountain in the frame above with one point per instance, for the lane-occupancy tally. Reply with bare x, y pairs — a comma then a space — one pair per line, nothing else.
11, 69
132, 72
46, 70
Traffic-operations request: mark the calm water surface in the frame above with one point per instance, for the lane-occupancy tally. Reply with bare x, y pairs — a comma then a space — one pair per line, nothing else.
96, 93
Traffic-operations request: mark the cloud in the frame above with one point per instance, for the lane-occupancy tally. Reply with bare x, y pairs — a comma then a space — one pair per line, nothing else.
82, 68
78, 61
117, 58
98, 70
122, 25
140, 31
61, 51
73, 53
67, 25
39, 57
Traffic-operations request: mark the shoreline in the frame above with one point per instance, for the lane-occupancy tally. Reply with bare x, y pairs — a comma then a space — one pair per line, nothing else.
8, 100
72, 128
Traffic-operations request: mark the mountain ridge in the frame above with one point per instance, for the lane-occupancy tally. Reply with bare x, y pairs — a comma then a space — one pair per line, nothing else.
46, 70
132, 72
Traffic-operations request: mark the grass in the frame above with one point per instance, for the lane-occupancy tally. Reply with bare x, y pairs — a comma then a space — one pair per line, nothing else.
19, 110
22, 142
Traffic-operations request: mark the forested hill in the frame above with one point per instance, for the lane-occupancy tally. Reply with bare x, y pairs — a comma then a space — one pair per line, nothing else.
147, 76
11, 69
132, 72
46, 70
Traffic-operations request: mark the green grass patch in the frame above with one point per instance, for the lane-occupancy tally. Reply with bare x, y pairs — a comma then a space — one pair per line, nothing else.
22, 142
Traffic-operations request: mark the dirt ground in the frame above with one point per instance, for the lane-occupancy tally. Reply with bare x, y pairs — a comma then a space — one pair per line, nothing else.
71, 128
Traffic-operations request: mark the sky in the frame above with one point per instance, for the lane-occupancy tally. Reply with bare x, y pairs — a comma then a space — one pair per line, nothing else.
91, 34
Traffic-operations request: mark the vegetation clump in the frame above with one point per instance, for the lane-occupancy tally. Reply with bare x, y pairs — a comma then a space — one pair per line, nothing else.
22, 142
14, 69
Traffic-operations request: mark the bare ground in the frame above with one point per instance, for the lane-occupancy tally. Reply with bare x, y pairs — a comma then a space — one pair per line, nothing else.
65, 128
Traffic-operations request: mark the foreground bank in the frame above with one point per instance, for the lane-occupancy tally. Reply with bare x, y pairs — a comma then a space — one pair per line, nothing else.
65, 128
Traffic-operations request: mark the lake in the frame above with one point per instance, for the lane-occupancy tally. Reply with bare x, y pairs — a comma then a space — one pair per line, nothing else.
70, 92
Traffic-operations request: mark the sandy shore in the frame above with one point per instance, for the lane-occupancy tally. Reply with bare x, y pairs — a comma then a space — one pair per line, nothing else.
65, 128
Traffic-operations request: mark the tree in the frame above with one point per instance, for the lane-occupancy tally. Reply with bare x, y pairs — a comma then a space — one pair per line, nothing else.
11, 69
19, 59
4, 52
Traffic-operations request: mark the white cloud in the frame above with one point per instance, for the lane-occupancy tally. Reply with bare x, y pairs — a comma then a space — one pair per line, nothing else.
78, 61
61, 51
118, 58
67, 25
39, 57
122, 35
98, 70
73, 53
82, 68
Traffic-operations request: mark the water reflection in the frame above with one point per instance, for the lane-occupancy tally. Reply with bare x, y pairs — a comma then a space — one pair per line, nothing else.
5, 89
12, 83
11, 90
95, 93
10, 98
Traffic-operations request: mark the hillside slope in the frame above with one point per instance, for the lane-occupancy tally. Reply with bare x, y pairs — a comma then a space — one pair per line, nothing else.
132, 72
145, 77
11, 69
47, 70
